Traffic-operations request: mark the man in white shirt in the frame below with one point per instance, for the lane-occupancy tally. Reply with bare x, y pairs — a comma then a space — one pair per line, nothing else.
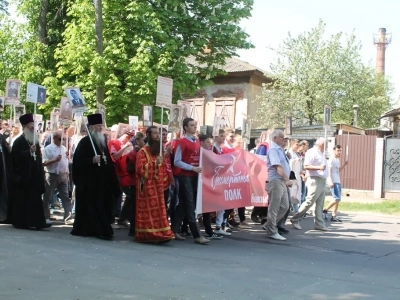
55, 164
334, 183
316, 166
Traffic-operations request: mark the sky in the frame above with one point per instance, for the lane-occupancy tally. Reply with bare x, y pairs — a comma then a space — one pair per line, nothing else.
271, 22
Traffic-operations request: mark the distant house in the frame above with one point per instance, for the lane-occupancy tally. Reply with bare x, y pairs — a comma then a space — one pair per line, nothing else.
236, 94
390, 121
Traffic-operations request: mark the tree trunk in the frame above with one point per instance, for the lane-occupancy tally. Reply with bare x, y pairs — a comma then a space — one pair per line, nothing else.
42, 22
99, 44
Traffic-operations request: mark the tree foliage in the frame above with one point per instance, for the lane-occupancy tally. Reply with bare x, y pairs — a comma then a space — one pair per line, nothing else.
311, 72
142, 39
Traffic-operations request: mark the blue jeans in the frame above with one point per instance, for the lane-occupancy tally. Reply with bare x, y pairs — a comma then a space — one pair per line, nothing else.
303, 191
336, 192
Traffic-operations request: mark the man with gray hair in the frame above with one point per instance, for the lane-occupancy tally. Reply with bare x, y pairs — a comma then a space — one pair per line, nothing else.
55, 164
278, 182
315, 165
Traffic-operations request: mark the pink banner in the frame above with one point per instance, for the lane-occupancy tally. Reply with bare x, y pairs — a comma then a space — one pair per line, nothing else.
232, 180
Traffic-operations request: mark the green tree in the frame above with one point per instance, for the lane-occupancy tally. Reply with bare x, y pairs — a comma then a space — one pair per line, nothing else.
4, 6
311, 72
144, 39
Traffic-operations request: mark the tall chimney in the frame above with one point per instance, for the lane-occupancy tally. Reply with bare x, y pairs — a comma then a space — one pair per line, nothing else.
381, 40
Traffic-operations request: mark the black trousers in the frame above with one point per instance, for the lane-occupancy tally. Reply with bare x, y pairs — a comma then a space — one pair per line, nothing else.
187, 205
128, 211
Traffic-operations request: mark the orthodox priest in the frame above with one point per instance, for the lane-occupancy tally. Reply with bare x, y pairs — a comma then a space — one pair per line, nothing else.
28, 179
4, 180
152, 179
97, 187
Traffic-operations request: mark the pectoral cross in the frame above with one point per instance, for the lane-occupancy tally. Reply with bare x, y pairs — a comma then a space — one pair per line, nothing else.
34, 155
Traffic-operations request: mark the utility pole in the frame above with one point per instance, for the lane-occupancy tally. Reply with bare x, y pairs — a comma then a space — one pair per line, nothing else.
99, 45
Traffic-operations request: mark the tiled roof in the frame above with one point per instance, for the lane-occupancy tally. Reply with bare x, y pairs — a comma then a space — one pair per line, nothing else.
231, 65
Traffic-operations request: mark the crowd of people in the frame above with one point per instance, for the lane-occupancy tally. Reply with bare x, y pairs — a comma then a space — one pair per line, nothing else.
147, 183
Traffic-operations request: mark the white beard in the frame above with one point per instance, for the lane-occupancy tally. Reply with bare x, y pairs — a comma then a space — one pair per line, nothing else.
99, 138
29, 135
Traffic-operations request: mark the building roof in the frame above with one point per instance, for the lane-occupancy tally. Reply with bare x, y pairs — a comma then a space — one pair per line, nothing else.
390, 113
232, 65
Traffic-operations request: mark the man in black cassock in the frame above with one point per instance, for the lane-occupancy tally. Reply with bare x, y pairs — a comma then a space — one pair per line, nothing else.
96, 184
28, 179
4, 179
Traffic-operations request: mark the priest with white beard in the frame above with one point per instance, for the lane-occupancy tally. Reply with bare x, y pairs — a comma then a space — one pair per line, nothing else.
96, 184
27, 179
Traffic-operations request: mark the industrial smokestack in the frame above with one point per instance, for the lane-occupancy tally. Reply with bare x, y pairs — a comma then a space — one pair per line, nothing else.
381, 40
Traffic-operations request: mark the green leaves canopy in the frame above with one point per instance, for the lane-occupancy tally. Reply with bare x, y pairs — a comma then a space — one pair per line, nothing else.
142, 39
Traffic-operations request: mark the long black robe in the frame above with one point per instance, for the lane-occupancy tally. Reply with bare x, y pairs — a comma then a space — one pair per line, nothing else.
27, 186
96, 191
4, 178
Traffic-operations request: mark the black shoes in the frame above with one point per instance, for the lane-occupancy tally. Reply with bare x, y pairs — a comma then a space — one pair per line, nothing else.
256, 219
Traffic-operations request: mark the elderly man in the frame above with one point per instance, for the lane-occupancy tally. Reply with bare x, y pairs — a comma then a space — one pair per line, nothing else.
28, 178
97, 187
55, 164
278, 183
316, 166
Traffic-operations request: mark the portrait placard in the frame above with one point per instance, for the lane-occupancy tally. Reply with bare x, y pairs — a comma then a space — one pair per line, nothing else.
288, 125
220, 122
19, 110
147, 115
246, 130
2, 103
65, 109
35, 93
186, 109
164, 92
174, 116
13, 88
75, 97
327, 115
134, 123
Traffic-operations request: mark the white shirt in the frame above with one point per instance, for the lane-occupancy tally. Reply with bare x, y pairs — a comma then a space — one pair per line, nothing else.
50, 152
315, 158
334, 167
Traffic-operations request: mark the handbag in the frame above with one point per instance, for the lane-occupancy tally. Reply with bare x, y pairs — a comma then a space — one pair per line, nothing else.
292, 176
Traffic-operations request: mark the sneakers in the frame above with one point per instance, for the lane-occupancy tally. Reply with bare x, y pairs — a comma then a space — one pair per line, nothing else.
295, 224
220, 231
227, 229
322, 229
282, 230
201, 240
335, 219
124, 224
325, 212
277, 236
214, 236
244, 225
179, 237
69, 221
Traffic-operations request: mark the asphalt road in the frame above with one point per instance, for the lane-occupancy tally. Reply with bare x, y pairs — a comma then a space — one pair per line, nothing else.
358, 259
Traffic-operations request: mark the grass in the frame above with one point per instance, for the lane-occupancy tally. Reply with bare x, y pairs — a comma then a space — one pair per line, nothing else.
388, 207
